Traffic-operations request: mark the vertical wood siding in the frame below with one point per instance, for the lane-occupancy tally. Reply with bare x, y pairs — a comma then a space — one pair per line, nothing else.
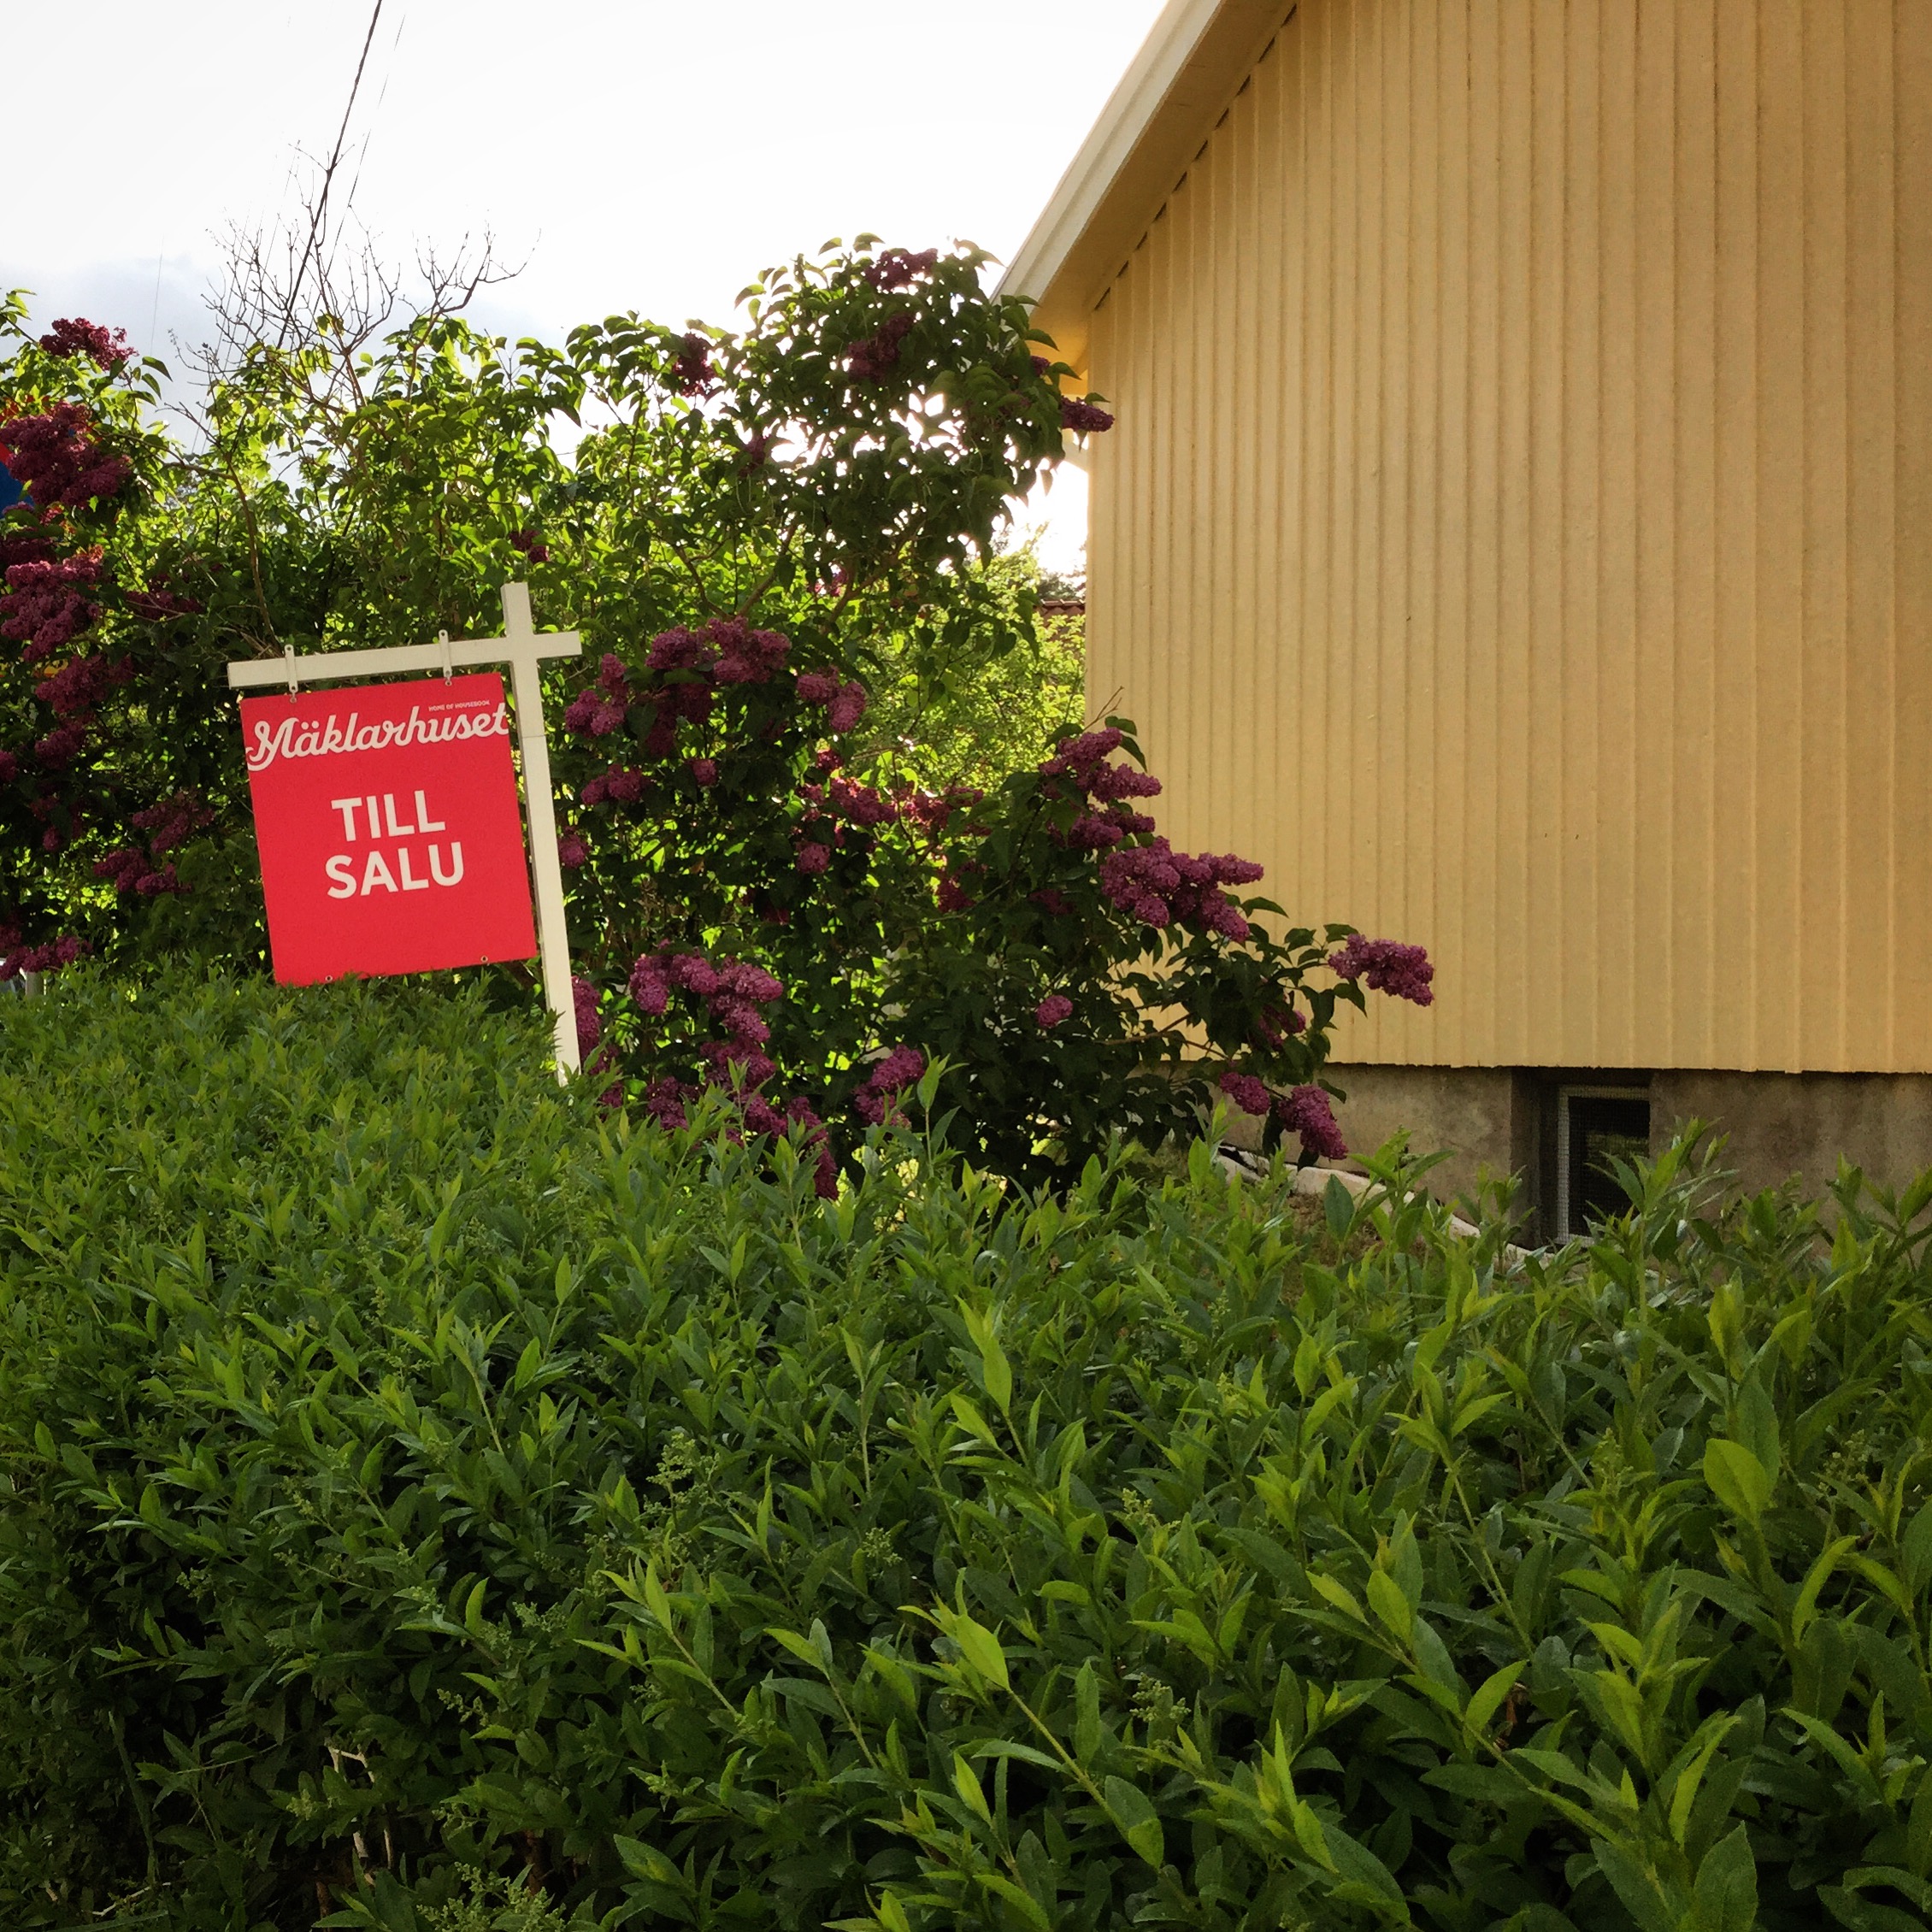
1518, 530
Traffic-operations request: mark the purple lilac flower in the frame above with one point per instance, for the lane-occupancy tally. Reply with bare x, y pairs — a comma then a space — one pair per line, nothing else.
847, 707
44, 606
898, 267
53, 456
75, 336
1247, 1092
890, 1076
590, 1027
1306, 1111
1388, 966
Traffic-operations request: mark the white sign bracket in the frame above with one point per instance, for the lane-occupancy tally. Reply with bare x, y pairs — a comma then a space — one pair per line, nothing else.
523, 648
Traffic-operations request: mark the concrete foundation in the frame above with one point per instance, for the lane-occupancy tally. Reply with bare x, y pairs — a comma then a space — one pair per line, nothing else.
1496, 1122
1781, 1125
1483, 1118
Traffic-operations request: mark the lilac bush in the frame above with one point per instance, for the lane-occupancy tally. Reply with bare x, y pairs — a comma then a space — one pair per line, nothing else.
780, 918
1076, 974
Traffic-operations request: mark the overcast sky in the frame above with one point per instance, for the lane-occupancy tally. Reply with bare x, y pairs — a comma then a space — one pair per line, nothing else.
631, 154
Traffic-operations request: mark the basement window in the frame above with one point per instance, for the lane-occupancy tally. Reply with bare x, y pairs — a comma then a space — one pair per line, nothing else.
1595, 1127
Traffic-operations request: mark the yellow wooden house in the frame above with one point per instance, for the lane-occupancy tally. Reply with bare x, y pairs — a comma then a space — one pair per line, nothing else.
1517, 535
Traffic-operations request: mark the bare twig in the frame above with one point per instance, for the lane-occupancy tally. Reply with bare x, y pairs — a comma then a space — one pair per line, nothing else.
318, 282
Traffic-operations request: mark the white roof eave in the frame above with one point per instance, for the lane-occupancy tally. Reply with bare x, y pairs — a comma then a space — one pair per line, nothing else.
1132, 105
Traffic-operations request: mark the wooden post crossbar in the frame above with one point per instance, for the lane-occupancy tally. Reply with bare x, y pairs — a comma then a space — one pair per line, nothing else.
523, 648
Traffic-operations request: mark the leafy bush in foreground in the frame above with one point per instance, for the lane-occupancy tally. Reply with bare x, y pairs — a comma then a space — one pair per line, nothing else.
416, 1492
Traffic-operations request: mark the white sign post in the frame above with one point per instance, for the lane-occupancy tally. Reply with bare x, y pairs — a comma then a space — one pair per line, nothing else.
523, 648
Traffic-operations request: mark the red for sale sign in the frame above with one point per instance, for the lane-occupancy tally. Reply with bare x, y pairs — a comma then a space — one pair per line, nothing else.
390, 837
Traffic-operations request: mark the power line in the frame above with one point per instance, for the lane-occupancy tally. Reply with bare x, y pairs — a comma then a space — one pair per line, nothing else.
375, 113
328, 174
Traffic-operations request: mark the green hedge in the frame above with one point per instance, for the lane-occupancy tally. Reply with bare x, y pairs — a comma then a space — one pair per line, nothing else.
424, 1503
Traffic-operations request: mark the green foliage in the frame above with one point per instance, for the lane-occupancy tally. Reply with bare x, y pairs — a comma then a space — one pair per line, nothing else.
424, 1504
751, 528
987, 707
331, 494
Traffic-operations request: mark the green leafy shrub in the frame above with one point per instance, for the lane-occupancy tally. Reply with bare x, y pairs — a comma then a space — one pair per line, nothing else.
967, 718
835, 468
424, 1503
753, 529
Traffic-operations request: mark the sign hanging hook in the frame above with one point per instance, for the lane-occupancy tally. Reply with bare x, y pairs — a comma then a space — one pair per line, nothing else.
294, 682
442, 644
